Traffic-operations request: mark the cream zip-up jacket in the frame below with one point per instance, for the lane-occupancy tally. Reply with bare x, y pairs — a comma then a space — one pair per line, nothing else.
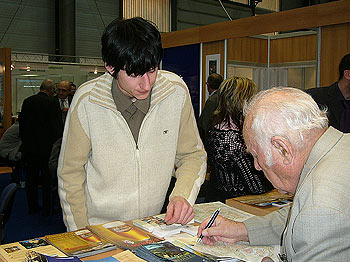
104, 175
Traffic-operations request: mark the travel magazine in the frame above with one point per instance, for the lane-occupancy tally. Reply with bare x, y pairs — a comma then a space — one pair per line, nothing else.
123, 235
80, 243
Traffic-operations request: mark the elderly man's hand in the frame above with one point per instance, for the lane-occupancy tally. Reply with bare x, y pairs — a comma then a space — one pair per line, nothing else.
179, 211
223, 229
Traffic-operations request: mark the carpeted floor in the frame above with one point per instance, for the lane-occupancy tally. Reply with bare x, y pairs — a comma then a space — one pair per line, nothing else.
22, 226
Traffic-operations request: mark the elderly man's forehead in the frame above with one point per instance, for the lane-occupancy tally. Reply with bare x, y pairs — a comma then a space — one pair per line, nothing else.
63, 84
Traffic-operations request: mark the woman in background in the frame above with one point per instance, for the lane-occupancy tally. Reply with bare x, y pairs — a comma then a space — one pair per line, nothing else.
232, 171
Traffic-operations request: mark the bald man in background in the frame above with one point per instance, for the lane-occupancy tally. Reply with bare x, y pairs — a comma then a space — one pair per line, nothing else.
64, 98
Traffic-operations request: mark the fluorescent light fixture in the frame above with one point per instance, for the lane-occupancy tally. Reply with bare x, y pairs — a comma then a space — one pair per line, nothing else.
29, 75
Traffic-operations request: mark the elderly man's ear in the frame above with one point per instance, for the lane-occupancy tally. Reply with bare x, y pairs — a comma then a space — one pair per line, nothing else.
283, 148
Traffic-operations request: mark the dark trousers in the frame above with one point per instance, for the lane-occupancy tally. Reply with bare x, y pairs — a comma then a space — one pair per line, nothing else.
38, 174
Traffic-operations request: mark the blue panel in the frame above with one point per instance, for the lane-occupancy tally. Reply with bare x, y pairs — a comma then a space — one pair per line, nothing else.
184, 61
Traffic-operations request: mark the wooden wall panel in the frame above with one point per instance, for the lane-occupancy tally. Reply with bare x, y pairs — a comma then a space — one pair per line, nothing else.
212, 48
5, 59
331, 13
247, 49
293, 49
334, 45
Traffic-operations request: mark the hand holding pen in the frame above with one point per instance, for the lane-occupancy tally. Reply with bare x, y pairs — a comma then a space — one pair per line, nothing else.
222, 229
210, 223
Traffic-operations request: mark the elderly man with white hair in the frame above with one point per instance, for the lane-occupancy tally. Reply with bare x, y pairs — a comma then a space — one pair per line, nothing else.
289, 138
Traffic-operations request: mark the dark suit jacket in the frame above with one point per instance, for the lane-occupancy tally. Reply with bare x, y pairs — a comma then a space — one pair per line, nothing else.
204, 119
69, 99
39, 127
328, 96
63, 114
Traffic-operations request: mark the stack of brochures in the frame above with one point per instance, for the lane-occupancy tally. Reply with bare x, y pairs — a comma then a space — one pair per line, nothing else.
166, 251
157, 226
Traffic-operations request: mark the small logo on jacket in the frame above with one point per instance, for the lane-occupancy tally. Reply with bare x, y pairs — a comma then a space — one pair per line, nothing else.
165, 132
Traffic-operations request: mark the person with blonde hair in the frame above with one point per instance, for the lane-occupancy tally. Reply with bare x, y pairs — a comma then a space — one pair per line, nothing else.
232, 169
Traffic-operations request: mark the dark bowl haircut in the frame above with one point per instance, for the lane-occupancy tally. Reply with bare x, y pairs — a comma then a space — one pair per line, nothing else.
133, 45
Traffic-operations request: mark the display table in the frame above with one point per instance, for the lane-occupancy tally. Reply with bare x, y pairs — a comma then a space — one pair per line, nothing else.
248, 203
114, 231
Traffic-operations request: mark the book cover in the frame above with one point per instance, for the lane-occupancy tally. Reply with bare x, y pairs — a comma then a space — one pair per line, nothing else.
80, 243
32, 256
16, 252
166, 251
123, 235
149, 223
125, 256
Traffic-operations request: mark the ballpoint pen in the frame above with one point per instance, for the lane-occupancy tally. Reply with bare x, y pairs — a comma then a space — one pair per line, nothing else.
210, 223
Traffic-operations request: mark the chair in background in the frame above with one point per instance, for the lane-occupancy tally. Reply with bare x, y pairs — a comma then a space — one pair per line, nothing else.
6, 203
6, 167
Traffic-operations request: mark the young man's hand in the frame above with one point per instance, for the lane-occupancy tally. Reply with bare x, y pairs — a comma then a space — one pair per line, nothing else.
179, 211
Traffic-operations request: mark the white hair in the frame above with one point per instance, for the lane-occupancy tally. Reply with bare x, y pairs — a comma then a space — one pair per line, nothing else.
283, 111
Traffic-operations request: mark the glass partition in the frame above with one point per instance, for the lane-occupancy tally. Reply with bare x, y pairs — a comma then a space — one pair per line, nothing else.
27, 77
288, 59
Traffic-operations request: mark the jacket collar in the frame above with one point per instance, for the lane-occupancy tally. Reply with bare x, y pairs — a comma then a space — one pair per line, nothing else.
324, 144
101, 93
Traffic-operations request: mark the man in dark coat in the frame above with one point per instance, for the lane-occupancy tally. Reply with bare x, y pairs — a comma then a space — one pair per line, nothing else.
40, 126
336, 97
213, 82
63, 97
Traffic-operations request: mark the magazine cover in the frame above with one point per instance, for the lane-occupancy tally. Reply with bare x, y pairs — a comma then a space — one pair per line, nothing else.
166, 251
80, 243
32, 256
149, 223
123, 235
16, 252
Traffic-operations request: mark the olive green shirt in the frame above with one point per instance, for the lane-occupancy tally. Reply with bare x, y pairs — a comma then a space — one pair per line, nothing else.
132, 109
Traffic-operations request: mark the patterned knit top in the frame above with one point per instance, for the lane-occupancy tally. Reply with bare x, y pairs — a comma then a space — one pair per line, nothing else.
232, 167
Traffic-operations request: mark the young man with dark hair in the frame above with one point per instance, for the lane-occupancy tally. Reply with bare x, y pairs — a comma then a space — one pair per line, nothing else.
336, 97
73, 88
127, 132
